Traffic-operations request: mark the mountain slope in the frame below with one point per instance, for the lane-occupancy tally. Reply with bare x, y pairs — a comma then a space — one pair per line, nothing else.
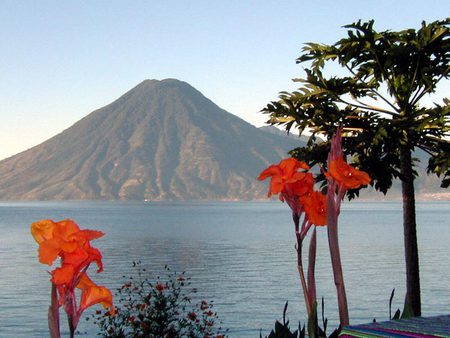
161, 140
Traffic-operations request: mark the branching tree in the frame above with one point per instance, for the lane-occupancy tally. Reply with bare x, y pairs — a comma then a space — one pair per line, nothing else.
379, 102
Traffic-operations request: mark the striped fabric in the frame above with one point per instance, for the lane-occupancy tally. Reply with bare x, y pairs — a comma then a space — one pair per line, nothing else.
431, 327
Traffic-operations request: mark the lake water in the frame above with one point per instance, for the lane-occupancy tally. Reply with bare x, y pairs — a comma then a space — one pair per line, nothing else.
240, 254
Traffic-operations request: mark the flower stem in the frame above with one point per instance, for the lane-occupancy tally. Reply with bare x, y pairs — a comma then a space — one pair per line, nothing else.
311, 268
296, 219
332, 228
303, 280
53, 314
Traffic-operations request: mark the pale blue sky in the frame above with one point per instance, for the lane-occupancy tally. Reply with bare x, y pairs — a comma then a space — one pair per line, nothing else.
60, 60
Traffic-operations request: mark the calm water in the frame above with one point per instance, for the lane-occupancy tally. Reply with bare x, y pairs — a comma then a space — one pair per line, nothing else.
241, 255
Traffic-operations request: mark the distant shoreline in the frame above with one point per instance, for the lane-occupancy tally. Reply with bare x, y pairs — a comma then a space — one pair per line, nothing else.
425, 197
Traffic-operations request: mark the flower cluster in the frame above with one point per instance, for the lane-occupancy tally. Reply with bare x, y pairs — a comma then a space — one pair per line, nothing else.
295, 186
160, 307
341, 176
65, 240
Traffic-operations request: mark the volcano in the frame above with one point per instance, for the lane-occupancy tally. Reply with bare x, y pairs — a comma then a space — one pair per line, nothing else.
162, 140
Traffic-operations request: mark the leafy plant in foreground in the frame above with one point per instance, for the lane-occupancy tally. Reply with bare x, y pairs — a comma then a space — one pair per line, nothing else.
318, 209
159, 307
282, 330
380, 100
66, 241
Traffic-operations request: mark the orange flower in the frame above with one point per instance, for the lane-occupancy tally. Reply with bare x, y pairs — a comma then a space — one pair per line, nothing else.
64, 239
315, 205
304, 185
59, 238
346, 175
42, 230
92, 294
283, 173
63, 275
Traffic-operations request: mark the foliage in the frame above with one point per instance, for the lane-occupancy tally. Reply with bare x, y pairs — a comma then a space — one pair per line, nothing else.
158, 308
296, 188
396, 69
282, 330
379, 103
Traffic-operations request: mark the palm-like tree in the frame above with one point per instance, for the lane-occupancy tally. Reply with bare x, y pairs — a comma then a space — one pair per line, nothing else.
379, 102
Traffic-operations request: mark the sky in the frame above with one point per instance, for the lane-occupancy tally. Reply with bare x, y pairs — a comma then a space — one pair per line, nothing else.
60, 60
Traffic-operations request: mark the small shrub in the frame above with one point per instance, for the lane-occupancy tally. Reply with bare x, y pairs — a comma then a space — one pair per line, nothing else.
158, 308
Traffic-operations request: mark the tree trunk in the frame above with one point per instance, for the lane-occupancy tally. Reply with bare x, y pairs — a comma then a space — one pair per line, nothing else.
412, 299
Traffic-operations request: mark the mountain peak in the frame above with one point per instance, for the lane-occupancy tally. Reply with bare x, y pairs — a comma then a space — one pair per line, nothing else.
152, 91
161, 140
155, 82
151, 84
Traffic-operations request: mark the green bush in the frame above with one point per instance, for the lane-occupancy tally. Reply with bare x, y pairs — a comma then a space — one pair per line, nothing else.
158, 308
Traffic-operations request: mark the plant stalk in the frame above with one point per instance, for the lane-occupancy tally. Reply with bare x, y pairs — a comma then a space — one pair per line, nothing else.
311, 268
53, 314
302, 274
332, 229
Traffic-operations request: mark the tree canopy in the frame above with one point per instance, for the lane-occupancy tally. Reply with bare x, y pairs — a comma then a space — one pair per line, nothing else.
379, 100
378, 97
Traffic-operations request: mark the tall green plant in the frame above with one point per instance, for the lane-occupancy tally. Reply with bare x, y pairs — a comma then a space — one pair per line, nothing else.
379, 102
